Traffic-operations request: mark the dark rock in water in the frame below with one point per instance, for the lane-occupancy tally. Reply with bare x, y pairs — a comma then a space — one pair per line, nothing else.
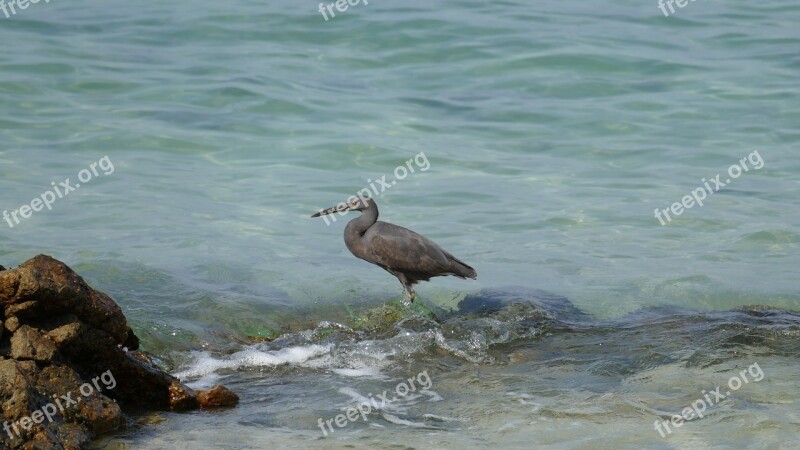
68, 362
489, 301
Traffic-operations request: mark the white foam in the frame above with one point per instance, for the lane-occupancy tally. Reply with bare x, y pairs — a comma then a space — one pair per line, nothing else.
359, 372
205, 364
347, 359
396, 420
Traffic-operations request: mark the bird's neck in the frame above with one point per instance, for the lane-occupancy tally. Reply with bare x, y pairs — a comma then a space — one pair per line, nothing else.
358, 226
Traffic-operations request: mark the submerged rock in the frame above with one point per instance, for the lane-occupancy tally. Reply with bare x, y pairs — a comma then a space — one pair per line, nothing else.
68, 362
383, 318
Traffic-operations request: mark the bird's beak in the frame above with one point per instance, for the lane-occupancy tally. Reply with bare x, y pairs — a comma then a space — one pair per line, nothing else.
341, 207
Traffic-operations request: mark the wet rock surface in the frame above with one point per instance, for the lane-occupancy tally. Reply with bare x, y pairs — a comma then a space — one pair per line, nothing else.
69, 362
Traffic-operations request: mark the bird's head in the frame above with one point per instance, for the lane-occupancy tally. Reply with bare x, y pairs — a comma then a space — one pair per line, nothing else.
354, 203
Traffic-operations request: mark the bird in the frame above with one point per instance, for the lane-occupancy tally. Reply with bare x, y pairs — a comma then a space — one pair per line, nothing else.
407, 255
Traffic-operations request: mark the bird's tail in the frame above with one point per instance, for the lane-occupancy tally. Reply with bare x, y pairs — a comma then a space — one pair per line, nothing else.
462, 269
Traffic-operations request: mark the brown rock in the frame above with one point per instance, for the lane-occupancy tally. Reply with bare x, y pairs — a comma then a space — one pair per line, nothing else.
64, 330
23, 309
11, 324
217, 396
182, 397
44, 287
28, 390
66, 340
28, 343
9, 283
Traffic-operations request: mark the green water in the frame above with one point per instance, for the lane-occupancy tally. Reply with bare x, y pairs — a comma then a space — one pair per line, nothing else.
552, 130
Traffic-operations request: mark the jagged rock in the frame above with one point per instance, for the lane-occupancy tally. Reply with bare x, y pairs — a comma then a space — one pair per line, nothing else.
29, 343
62, 341
65, 330
36, 411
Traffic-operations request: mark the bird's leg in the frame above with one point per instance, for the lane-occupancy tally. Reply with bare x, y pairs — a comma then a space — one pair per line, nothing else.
409, 295
408, 292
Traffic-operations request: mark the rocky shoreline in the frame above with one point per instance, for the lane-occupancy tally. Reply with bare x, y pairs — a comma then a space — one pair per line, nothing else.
70, 365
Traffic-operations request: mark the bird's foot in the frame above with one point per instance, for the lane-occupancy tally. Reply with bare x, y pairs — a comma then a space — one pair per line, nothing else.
409, 297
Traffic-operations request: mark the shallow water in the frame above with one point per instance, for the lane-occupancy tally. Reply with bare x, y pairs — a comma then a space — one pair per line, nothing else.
508, 376
551, 131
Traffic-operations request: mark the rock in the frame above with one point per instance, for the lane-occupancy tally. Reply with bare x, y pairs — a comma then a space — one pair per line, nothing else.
182, 397
69, 362
29, 343
11, 324
65, 330
216, 397
382, 319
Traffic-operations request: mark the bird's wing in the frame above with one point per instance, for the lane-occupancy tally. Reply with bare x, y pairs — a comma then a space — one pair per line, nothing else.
401, 249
